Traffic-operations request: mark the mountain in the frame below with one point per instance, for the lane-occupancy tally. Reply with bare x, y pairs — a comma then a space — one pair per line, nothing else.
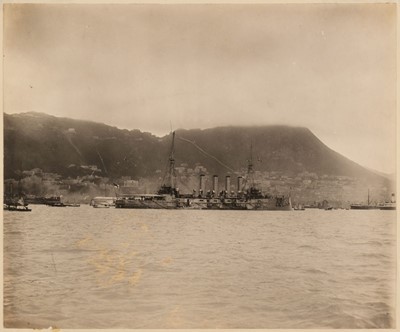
275, 148
62, 145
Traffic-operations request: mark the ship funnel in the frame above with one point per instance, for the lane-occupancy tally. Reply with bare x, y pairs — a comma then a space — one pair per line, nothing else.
239, 183
228, 184
215, 183
202, 184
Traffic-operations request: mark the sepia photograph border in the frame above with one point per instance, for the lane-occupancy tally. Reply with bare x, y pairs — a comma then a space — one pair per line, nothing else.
244, 3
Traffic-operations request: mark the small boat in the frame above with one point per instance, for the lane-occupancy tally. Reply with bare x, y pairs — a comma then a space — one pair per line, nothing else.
311, 206
298, 207
367, 206
16, 208
16, 202
57, 204
103, 202
389, 205
45, 200
72, 205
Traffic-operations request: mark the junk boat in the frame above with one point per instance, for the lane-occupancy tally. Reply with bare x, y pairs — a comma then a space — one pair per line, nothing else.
248, 196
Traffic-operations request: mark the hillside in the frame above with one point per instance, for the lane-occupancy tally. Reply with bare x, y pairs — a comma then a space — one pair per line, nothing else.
275, 148
36, 140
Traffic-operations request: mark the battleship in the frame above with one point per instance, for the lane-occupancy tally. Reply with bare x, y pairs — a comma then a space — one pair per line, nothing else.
247, 196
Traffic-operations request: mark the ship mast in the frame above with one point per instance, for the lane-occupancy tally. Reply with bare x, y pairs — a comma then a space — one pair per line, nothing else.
171, 170
250, 171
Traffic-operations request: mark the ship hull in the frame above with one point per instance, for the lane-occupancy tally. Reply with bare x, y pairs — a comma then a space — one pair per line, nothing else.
363, 207
389, 206
152, 202
271, 204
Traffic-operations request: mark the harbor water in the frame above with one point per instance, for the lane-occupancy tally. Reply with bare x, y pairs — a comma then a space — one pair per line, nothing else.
120, 268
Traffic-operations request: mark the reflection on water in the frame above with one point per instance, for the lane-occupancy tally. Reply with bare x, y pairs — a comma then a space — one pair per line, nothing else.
116, 268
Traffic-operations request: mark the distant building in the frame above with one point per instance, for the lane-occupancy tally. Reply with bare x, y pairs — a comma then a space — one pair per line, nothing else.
200, 169
91, 167
180, 170
34, 171
131, 183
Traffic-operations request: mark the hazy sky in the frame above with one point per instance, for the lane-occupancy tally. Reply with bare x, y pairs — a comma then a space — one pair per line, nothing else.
331, 68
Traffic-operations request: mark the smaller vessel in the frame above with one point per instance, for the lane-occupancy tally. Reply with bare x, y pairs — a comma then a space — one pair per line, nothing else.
311, 206
47, 200
61, 204
367, 206
103, 202
15, 203
389, 205
17, 208
56, 204
299, 207
72, 205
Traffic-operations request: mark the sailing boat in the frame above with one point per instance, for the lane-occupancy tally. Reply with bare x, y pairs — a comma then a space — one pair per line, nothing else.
166, 197
368, 206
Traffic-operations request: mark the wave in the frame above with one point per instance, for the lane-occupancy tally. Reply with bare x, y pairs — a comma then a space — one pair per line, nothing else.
374, 255
315, 271
366, 279
307, 246
382, 321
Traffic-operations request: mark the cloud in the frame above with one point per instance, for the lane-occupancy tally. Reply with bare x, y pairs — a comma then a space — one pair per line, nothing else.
331, 68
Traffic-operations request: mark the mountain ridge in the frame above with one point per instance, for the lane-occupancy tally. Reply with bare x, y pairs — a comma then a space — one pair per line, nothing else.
38, 140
